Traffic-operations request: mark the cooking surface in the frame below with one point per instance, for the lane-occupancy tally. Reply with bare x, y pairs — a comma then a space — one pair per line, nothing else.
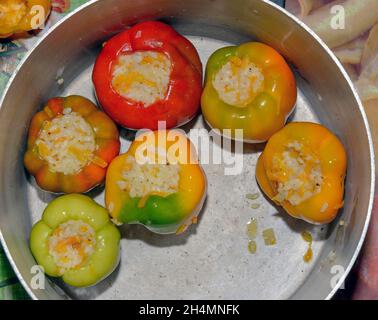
211, 260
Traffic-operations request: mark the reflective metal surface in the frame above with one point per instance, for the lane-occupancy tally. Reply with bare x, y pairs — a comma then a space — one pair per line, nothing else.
211, 260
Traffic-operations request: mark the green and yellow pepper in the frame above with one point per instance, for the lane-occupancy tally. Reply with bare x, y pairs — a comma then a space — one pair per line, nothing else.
302, 169
166, 197
248, 87
75, 240
58, 158
17, 16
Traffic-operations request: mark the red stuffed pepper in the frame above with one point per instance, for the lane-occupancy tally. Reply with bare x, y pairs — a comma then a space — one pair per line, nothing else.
146, 74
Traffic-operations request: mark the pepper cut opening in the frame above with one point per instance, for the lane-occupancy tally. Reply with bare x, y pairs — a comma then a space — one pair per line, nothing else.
67, 143
297, 174
142, 76
238, 81
71, 244
143, 180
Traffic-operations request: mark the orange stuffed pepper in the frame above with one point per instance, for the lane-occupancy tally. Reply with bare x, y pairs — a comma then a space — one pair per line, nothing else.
70, 145
302, 169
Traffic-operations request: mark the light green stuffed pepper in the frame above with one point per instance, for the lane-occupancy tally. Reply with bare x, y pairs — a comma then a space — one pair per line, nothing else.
76, 240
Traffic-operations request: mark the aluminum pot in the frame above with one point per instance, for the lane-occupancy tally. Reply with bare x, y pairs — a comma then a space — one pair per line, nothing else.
326, 95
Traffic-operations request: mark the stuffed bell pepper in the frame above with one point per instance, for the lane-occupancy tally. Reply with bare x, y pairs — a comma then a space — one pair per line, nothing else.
70, 145
158, 183
146, 74
302, 169
76, 240
248, 87
17, 16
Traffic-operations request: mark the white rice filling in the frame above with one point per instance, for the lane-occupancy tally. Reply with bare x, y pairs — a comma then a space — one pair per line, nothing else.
238, 81
71, 244
298, 175
142, 76
140, 180
67, 143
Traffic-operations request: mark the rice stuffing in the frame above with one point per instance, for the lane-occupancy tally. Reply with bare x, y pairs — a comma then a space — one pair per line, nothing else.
66, 142
141, 180
297, 174
142, 76
71, 244
238, 81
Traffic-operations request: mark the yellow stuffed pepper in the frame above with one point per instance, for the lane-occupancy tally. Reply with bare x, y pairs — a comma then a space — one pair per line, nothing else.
157, 183
17, 16
302, 169
248, 87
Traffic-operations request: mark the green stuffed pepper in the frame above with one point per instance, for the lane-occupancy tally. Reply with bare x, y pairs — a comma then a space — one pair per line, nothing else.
76, 240
248, 87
